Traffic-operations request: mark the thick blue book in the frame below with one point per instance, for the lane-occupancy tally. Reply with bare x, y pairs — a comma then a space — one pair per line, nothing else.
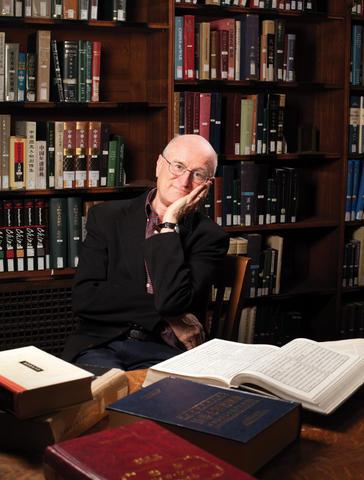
242, 428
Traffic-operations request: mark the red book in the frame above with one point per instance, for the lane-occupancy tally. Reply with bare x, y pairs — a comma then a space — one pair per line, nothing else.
205, 110
227, 24
95, 85
189, 47
140, 451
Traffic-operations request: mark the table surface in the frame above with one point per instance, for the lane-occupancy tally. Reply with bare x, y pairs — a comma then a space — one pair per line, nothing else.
329, 448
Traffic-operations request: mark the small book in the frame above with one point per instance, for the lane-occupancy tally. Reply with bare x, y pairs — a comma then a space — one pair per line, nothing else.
241, 428
319, 377
143, 450
35, 434
33, 382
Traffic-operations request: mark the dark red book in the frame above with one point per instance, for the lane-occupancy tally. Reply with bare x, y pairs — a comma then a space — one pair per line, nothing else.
95, 88
189, 47
141, 451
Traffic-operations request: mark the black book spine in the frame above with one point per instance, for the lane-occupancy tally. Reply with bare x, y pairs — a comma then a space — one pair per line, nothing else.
57, 78
19, 235
9, 236
70, 70
30, 234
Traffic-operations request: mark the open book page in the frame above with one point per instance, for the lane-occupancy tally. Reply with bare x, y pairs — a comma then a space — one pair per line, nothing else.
352, 346
307, 372
216, 362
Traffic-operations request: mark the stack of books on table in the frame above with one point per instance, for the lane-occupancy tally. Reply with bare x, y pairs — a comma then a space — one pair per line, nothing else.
44, 400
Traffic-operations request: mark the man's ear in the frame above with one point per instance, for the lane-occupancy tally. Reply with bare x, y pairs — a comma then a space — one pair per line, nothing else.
158, 166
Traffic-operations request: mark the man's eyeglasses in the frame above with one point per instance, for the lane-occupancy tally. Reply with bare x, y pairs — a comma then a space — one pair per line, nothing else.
178, 169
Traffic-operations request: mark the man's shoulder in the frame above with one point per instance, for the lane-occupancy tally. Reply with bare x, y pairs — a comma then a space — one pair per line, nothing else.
112, 208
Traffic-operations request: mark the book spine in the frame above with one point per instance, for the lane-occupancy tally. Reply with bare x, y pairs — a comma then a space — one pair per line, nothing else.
43, 65
2, 239
81, 152
50, 137
2, 66
83, 9
57, 79
70, 9
93, 156
30, 234
17, 162
88, 70
105, 137
58, 232
19, 235
41, 229
9, 236
56, 8
21, 76
82, 65
58, 155
5, 151
178, 48
74, 229
41, 164
95, 86
70, 70
69, 153
11, 71
30, 80
93, 12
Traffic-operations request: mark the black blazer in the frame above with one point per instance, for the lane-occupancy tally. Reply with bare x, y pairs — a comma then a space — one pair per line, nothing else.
110, 284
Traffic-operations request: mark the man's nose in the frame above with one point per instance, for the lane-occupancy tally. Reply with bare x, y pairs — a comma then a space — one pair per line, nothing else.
186, 177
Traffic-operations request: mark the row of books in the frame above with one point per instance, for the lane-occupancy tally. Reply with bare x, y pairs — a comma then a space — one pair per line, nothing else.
265, 262
269, 324
65, 9
248, 194
288, 5
234, 123
25, 76
357, 7
58, 155
356, 56
353, 260
354, 202
37, 234
352, 320
233, 49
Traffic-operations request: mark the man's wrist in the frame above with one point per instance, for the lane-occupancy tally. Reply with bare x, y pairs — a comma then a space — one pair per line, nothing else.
165, 227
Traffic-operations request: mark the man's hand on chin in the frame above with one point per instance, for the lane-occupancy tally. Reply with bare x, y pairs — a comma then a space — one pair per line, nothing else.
187, 329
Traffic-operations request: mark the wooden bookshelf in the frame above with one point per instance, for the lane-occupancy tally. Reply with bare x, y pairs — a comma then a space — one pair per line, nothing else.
320, 96
136, 98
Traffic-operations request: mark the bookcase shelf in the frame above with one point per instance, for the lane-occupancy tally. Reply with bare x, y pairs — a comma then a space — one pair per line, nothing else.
136, 99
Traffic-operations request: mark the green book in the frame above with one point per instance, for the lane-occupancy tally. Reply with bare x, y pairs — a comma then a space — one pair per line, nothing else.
119, 173
111, 164
82, 67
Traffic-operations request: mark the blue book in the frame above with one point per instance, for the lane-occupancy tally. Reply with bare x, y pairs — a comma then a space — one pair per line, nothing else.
356, 47
178, 48
355, 191
22, 61
242, 428
359, 208
349, 190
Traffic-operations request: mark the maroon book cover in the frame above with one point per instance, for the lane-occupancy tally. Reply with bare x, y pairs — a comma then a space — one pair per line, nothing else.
141, 451
189, 47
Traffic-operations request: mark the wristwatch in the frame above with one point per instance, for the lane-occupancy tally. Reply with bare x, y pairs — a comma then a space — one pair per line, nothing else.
172, 226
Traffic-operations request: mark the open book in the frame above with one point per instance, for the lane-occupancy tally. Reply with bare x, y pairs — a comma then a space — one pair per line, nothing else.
319, 376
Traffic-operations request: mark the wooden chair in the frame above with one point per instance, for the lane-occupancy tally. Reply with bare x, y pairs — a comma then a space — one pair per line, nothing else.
231, 274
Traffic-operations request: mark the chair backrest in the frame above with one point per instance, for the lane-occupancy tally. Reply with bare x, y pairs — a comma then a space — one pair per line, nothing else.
232, 274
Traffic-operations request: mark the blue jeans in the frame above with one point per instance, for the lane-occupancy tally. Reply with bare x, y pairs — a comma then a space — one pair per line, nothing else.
128, 354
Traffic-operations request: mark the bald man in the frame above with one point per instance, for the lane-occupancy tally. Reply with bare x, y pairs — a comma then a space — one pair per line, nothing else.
146, 266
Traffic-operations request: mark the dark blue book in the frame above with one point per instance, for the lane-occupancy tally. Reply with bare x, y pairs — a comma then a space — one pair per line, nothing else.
242, 428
